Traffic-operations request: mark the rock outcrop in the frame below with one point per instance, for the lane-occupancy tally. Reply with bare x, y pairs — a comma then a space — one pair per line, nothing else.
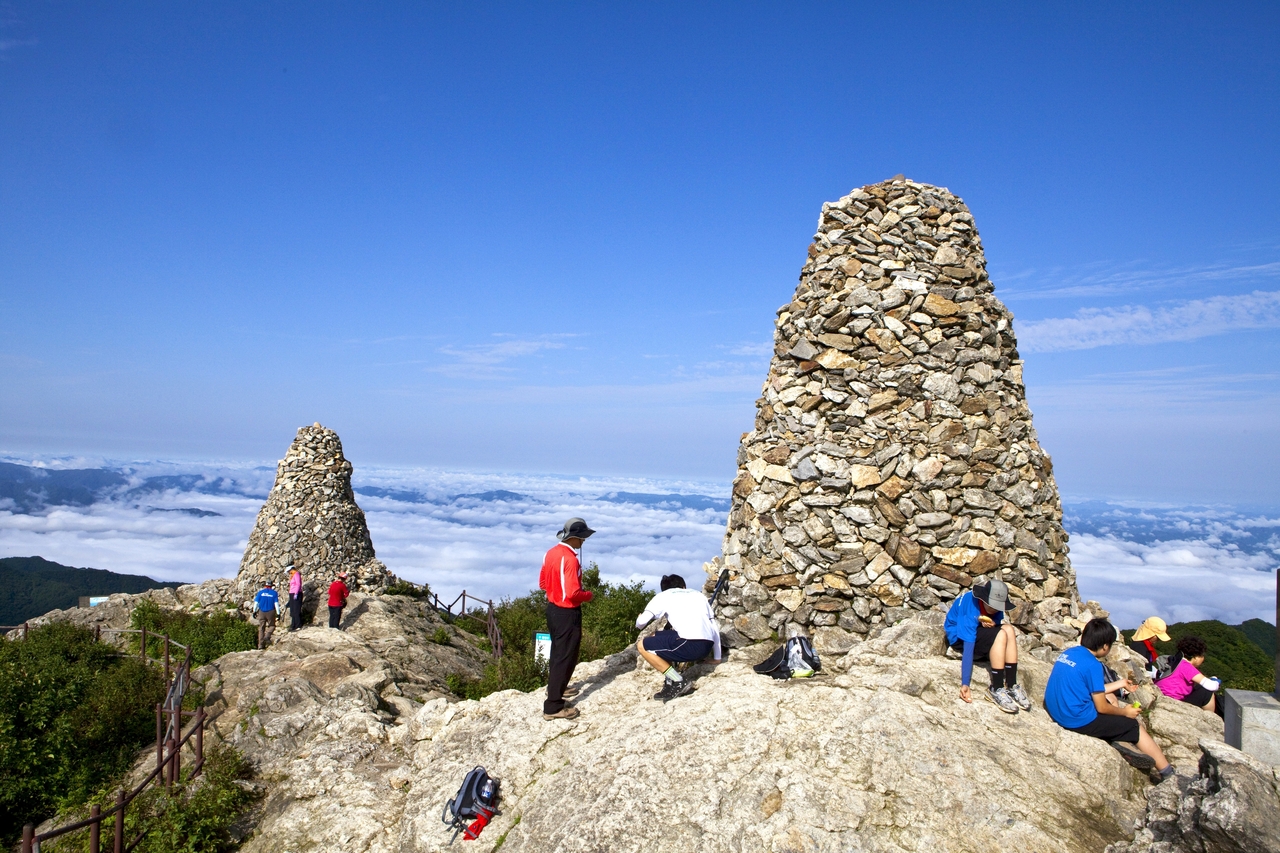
893, 461
877, 753
1233, 806
311, 520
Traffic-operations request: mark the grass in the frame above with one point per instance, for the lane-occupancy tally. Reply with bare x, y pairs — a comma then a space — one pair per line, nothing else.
209, 637
406, 588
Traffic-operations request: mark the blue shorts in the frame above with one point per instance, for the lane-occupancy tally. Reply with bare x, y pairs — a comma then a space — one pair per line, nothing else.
672, 648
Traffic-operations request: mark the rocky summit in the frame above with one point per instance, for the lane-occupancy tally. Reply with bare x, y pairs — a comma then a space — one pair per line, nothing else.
893, 460
311, 521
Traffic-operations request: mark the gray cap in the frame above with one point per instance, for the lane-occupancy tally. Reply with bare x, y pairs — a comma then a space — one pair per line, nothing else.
994, 594
574, 528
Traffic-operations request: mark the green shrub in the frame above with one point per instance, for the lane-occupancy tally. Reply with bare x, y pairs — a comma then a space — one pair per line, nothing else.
608, 627
441, 636
196, 818
73, 714
412, 590
210, 637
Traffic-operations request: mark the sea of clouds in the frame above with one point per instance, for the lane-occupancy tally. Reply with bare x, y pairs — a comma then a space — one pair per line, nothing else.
486, 533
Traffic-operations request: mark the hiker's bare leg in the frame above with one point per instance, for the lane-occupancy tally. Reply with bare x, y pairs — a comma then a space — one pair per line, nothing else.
1004, 649
653, 660
1151, 748
1211, 705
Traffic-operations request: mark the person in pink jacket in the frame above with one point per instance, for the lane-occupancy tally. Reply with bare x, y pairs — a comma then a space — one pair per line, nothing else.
295, 599
1186, 683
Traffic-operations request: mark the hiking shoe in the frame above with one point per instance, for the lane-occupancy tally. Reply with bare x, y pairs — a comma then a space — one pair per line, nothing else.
1137, 759
1003, 700
668, 690
568, 712
1020, 696
952, 654
683, 688
570, 692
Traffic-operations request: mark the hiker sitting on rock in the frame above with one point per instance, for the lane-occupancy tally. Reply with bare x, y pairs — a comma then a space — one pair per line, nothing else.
1186, 683
1143, 643
266, 603
976, 628
1078, 699
692, 634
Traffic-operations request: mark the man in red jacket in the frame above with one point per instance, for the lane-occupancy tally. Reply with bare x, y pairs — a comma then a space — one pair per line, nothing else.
561, 579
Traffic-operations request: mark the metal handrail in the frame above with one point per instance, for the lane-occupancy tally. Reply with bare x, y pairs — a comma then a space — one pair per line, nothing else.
490, 621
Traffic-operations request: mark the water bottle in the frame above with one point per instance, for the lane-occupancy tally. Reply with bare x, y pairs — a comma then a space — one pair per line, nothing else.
488, 793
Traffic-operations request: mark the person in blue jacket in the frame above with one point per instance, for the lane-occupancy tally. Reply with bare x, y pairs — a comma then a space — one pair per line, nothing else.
976, 628
266, 604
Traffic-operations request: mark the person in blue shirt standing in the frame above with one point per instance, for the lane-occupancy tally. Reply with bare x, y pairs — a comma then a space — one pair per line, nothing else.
266, 603
976, 628
1078, 698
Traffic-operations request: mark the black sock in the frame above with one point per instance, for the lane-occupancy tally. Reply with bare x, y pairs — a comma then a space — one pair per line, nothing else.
997, 679
1010, 674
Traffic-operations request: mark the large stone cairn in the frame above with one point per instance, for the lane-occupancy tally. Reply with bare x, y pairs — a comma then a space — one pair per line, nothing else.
893, 462
311, 520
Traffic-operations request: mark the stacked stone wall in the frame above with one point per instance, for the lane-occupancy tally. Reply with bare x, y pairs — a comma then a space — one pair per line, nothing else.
311, 520
893, 462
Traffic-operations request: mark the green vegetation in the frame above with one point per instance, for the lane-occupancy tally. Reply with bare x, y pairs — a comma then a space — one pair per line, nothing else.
608, 626
441, 636
73, 714
1233, 656
412, 590
32, 586
210, 637
196, 818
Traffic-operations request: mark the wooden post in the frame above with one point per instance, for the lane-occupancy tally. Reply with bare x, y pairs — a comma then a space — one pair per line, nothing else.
142, 649
97, 633
95, 828
28, 838
26, 628
159, 737
118, 847
166, 658
199, 738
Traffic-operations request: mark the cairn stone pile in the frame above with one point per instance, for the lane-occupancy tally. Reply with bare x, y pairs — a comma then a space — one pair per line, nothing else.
311, 520
893, 463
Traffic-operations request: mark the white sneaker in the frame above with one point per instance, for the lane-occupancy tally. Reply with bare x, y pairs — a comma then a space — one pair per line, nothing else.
1020, 696
1003, 700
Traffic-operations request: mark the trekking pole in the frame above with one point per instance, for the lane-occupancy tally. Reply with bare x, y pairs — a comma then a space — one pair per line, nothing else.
724, 579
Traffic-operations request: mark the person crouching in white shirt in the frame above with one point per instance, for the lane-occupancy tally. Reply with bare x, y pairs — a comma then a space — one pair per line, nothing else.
691, 636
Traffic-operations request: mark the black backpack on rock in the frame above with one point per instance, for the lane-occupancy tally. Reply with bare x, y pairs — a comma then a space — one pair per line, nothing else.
795, 657
476, 800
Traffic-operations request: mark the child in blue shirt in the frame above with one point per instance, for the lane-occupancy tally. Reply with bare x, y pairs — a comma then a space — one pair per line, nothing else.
1078, 699
976, 628
266, 603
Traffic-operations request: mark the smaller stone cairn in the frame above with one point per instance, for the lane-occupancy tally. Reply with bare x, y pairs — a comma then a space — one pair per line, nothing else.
311, 520
893, 463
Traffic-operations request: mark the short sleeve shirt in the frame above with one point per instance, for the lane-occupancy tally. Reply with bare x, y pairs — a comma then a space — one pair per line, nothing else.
1178, 684
1068, 697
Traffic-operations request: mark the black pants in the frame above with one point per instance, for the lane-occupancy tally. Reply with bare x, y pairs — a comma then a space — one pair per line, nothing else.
1200, 697
335, 617
295, 612
565, 626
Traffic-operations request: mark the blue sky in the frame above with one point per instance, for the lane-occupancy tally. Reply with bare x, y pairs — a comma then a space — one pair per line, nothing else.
552, 237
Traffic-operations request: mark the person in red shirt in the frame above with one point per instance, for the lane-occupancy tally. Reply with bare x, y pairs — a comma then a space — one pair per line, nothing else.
338, 593
561, 579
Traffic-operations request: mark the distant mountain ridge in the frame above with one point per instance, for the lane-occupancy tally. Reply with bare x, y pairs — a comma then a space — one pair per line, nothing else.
32, 586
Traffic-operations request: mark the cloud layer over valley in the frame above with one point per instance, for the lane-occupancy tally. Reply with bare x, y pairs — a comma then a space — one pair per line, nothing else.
486, 533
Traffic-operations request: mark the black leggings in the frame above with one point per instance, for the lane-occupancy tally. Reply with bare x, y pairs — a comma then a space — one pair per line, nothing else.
1200, 697
565, 626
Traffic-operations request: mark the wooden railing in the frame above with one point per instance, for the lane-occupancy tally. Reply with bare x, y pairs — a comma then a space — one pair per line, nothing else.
170, 739
490, 620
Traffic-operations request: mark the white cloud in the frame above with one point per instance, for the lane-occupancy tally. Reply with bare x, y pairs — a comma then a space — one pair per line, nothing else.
1109, 278
1178, 580
1140, 324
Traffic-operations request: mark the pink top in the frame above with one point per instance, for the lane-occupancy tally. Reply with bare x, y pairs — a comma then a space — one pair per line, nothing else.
1177, 684
295, 583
